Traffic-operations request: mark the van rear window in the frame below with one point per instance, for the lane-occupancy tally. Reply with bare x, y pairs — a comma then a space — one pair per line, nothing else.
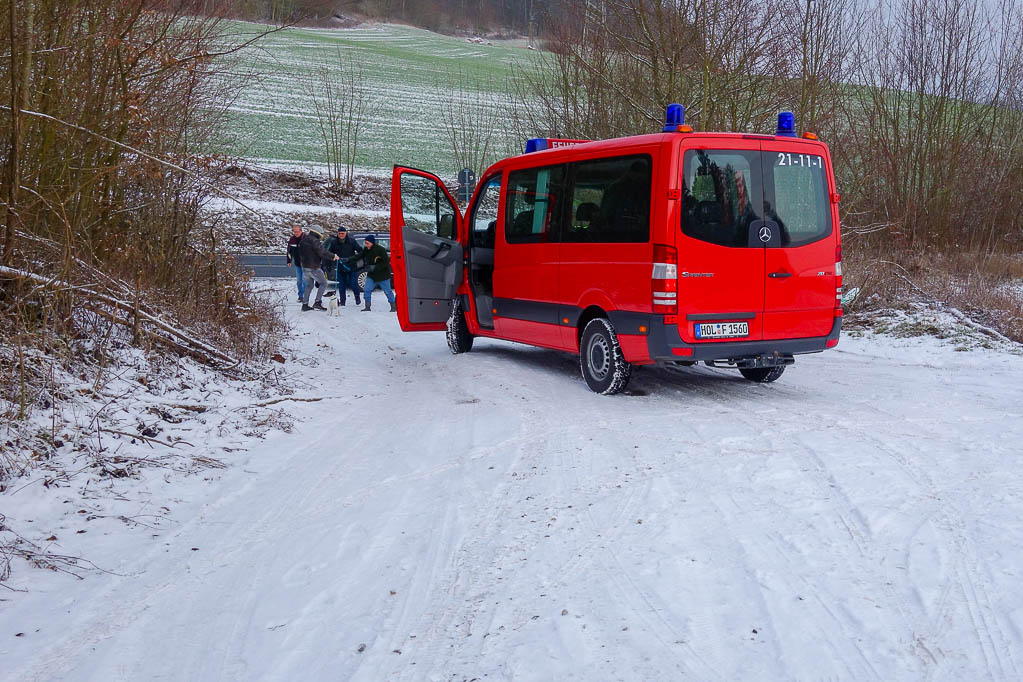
724, 191
798, 183
721, 195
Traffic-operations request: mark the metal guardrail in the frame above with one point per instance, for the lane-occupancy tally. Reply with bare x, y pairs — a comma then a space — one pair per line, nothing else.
265, 265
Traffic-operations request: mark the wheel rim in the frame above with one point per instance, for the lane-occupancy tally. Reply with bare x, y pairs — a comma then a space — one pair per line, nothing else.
598, 357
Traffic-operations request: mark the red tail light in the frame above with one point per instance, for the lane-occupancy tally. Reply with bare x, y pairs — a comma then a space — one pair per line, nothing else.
838, 280
664, 280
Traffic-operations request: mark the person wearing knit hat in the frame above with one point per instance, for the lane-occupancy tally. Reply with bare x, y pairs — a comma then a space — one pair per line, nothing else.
378, 272
347, 250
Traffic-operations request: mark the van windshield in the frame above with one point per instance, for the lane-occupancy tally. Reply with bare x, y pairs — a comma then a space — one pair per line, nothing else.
725, 191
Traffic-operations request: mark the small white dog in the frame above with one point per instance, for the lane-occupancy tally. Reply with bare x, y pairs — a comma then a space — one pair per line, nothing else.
333, 310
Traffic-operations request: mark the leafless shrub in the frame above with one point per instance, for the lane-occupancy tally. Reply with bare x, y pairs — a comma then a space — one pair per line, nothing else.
339, 100
978, 284
473, 117
939, 124
111, 105
615, 66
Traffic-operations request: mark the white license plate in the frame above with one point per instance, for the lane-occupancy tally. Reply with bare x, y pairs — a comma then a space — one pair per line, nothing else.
722, 330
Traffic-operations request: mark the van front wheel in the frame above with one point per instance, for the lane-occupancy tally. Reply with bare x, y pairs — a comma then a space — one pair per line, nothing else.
762, 375
459, 337
601, 359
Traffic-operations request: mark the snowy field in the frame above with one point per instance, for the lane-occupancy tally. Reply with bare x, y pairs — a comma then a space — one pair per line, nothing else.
410, 77
486, 516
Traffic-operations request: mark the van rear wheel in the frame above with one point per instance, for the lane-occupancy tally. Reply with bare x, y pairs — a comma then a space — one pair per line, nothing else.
601, 359
459, 337
762, 375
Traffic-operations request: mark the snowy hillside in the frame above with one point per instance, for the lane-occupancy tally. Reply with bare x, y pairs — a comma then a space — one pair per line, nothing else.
486, 516
409, 76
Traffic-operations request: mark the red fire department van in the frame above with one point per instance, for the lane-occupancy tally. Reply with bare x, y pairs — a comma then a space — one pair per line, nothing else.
675, 247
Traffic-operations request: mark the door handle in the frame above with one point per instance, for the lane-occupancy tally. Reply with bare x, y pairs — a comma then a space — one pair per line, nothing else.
440, 247
780, 275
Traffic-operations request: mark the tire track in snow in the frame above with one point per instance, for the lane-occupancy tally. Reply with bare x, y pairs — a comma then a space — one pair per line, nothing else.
476, 563
873, 562
946, 520
604, 536
779, 440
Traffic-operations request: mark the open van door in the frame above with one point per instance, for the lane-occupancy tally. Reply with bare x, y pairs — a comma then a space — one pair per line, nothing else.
426, 253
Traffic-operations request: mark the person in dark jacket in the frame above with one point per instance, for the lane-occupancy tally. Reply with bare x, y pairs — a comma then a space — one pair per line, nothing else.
346, 249
294, 259
311, 254
378, 271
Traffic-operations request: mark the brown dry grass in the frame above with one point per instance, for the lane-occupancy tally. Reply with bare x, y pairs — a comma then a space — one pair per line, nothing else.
979, 285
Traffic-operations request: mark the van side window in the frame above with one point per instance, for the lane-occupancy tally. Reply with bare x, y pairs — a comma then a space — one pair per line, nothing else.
721, 195
534, 205
424, 207
798, 183
610, 201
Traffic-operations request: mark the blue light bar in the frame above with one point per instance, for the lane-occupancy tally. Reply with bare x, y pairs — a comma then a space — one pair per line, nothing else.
536, 144
674, 117
786, 124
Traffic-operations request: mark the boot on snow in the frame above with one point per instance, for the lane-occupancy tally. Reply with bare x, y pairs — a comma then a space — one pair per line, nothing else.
365, 308
394, 307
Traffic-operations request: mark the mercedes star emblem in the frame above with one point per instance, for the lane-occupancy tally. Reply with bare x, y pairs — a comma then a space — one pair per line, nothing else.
765, 234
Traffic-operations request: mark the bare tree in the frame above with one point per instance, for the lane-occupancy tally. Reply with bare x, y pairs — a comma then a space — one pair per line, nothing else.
338, 97
824, 28
616, 65
473, 117
942, 120
113, 106
21, 40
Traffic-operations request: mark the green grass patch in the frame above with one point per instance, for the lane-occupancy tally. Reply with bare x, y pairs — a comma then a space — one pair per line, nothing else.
409, 77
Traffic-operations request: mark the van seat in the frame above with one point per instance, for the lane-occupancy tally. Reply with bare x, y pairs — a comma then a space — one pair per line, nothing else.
586, 211
707, 217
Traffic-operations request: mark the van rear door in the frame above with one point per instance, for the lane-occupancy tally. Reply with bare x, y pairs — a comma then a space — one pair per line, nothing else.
799, 298
426, 249
720, 252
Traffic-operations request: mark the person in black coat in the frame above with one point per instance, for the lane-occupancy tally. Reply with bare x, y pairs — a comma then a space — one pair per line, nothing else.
347, 250
293, 258
312, 253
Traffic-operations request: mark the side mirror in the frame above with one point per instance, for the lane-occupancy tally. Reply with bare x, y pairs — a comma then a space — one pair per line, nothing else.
446, 228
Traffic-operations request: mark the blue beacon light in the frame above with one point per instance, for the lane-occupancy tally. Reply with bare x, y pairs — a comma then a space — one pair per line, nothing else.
536, 144
674, 117
786, 124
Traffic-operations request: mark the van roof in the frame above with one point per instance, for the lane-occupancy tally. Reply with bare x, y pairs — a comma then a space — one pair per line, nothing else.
653, 138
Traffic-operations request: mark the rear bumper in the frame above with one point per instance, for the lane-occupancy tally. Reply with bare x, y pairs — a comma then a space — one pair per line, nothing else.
664, 343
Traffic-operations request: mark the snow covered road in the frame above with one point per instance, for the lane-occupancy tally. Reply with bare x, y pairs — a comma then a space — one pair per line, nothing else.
487, 516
